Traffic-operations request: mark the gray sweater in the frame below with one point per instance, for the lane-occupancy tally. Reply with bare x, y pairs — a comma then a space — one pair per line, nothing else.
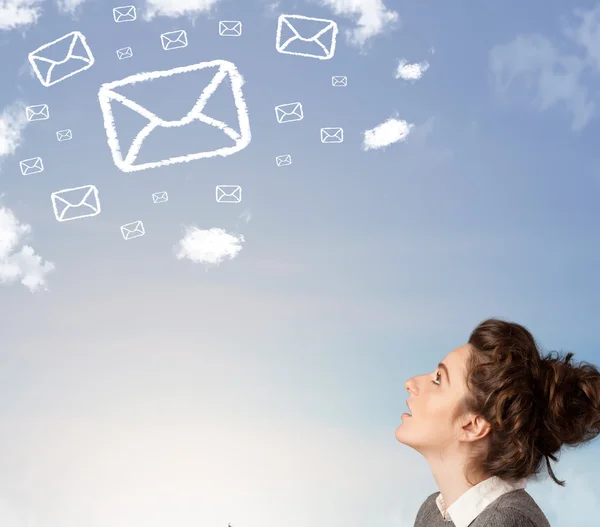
513, 509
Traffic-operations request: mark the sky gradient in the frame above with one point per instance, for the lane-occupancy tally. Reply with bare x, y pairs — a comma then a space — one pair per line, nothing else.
139, 389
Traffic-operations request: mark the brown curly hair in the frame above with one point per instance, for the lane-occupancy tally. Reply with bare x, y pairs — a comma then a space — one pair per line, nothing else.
534, 404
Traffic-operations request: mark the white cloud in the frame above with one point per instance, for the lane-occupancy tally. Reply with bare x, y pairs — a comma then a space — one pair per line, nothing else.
246, 215
386, 133
177, 8
411, 72
17, 13
373, 17
210, 246
21, 264
12, 123
69, 6
553, 77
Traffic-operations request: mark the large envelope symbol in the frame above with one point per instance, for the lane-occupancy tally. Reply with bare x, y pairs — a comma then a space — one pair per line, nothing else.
31, 166
229, 194
324, 38
75, 203
224, 70
39, 112
52, 74
290, 112
124, 13
332, 135
133, 230
230, 28
174, 40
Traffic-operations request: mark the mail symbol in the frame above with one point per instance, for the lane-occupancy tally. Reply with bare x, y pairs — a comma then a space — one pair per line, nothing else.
135, 229
64, 135
160, 197
124, 53
39, 112
332, 135
75, 203
31, 166
225, 73
230, 28
338, 80
229, 194
290, 112
174, 40
291, 40
50, 71
284, 160
124, 13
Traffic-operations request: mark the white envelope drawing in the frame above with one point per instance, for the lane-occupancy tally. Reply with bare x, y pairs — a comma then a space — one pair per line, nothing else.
31, 166
229, 194
64, 135
338, 80
223, 70
284, 160
230, 28
75, 203
160, 197
52, 75
324, 38
38, 112
135, 229
124, 53
174, 40
332, 135
289, 112
125, 13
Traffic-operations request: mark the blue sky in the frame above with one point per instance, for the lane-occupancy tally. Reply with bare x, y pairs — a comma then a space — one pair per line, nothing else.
139, 388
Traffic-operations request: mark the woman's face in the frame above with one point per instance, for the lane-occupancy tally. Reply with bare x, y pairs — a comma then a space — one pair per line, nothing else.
433, 398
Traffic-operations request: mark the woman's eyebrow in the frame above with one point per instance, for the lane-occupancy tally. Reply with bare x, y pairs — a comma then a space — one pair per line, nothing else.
442, 366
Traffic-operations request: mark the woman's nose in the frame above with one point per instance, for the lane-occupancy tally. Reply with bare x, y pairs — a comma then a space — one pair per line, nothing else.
411, 386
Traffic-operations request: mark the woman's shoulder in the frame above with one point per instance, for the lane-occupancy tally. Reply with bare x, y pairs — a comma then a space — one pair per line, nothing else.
514, 509
427, 511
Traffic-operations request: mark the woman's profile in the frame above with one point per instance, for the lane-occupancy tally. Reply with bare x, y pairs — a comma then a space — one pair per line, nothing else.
488, 417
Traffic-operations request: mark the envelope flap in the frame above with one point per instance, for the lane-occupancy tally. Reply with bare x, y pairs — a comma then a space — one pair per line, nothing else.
229, 190
304, 28
75, 197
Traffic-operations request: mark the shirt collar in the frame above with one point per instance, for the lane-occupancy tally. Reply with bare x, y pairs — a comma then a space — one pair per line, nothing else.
472, 502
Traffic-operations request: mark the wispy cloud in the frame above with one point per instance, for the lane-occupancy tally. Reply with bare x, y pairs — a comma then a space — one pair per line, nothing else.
389, 132
246, 215
551, 76
21, 263
410, 72
209, 246
69, 6
18, 13
372, 17
177, 8
12, 123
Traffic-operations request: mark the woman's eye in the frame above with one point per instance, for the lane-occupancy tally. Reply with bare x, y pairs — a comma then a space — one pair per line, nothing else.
437, 378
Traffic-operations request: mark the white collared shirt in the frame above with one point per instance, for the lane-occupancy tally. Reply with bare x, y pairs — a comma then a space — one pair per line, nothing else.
470, 504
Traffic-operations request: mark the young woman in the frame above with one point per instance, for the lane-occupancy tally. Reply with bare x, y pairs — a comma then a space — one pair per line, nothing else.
487, 417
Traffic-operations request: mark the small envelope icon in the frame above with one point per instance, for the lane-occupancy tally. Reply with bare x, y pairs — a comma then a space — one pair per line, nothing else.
31, 166
135, 229
160, 197
229, 194
332, 135
64, 135
230, 28
338, 80
124, 13
284, 160
290, 112
50, 71
39, 112
318, 44
75, 203
225, 74
174, 40
124, 53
